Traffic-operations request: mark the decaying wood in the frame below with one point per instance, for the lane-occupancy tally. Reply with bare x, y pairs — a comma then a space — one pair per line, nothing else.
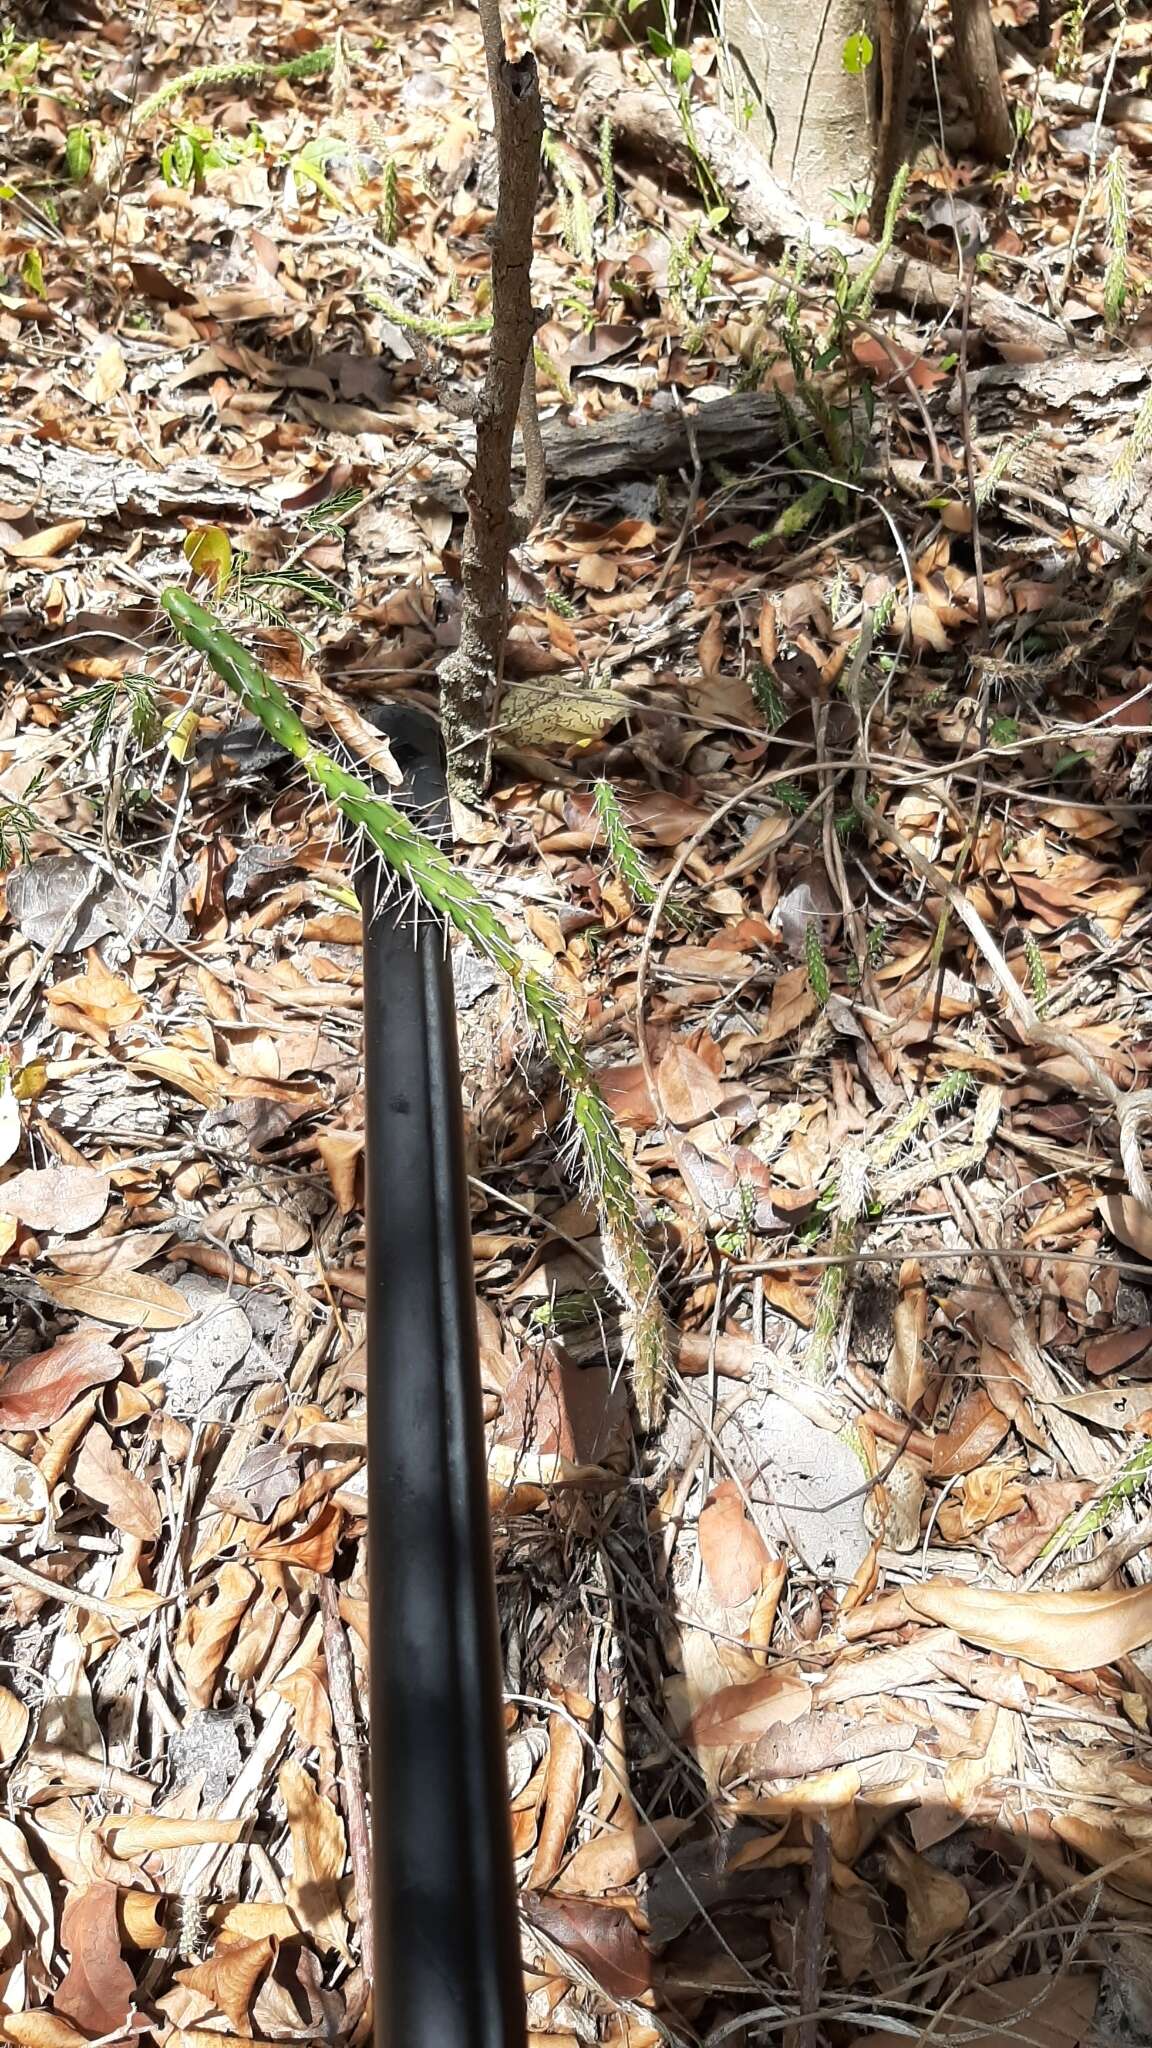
648, 124
470, 678
66, 483
746, 422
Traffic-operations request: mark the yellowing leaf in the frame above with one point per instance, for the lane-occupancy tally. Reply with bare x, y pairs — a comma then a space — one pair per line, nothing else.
209, 551
543, 715
1057, 1631
938, 1904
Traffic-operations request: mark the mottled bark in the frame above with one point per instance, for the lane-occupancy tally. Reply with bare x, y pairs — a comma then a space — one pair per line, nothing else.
470, 678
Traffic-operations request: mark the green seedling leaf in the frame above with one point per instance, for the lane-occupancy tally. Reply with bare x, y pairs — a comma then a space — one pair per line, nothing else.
32, 272
798, 516
78, 153
681, 62
858, 53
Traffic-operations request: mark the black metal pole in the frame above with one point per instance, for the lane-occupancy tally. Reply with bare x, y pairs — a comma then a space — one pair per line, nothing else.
447, 1957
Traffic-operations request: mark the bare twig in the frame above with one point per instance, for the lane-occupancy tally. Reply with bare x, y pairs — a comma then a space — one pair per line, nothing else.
470, 678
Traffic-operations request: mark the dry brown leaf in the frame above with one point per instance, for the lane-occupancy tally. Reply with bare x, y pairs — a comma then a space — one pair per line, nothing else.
230, 1976
793, 1006
603, 1938
37, 547
103, 1000
64, 1198
978, 1427
689, 1091
612, 1859
312, 1550
341, 1152
732, 1550
1044, 2011
143, 1919
99, 1471
318, 1856
938, 1904
1057, 1631
249, 1920
1101, 1845
37, 1391
562, 1792
743, 1713
133, 1301
42, 2030
905, 1375
207, 1630
98, 1987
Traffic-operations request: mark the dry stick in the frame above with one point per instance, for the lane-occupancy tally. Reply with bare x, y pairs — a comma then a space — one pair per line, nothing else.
470, 678
812, 1962
343, 1697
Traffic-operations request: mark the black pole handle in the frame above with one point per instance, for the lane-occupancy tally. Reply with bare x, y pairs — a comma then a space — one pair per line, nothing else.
447, 1956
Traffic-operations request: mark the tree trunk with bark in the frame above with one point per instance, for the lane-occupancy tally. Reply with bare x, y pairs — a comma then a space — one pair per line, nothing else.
979, 68
811, 118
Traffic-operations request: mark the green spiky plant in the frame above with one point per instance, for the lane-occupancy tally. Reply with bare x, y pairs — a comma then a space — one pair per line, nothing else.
451, 896
608, 174
625, 855
313, 64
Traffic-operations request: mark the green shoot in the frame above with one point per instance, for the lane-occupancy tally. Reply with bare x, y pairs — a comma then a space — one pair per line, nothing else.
390, 204
428, 325
575, 218
17, 824
1087, 1520
857, 301
1037, 973
129, 697
452, 896
816, 963
1116, 276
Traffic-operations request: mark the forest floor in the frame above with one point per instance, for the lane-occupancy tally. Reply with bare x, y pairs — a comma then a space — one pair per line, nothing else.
832, 1696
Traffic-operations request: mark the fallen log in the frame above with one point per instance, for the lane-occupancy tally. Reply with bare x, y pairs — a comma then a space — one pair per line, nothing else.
62, 483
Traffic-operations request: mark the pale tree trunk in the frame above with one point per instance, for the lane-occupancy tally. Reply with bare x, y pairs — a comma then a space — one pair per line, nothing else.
811, 118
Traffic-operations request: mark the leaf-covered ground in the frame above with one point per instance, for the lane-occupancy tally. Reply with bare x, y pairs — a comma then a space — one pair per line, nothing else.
831, 1698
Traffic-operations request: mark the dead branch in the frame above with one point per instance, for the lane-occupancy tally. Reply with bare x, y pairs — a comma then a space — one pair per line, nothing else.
470, 678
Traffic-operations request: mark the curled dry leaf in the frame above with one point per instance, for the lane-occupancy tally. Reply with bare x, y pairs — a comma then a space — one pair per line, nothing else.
129, 1837
36, 1391
689, 1090
978, 1427
230, 1976
42, 2030
64, 1198
1057, 1631
28, 1891
732, 1550
98, 1987
207, 1630
563, 1787
14, 1719
1105, 1845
